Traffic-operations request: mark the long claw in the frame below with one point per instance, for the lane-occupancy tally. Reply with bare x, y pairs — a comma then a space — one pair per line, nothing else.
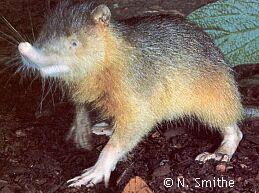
101, 171
74, 179
205, 156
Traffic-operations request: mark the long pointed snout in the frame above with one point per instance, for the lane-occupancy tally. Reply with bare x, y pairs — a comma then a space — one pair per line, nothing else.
32, 54
35, 58
25, 48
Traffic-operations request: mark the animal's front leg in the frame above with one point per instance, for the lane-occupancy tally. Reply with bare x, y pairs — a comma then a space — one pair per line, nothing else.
122, 140
80, 131
102, 169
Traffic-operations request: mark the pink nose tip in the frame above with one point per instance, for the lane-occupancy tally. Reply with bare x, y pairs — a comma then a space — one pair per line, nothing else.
24, 48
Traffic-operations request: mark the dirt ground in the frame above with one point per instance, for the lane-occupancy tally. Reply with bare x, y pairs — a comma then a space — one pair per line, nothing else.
35, 117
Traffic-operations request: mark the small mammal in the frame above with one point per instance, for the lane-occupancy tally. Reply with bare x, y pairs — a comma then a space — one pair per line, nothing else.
138, 72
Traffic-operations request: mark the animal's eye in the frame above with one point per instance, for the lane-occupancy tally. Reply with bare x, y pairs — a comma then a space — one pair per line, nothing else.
74, 43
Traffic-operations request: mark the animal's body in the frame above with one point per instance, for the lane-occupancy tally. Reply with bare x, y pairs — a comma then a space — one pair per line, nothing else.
137, 72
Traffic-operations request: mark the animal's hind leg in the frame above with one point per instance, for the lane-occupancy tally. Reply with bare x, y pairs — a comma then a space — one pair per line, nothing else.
231, 138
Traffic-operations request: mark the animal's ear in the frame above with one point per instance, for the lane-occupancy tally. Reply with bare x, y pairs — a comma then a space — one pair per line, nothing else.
101, 15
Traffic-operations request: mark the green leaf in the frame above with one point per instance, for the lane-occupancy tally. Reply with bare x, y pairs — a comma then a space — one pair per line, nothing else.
234, 26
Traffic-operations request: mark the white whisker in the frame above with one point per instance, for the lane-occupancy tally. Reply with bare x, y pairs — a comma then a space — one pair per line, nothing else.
42, 94
12, 28
10, 77
7, 68
32, 30
6, 36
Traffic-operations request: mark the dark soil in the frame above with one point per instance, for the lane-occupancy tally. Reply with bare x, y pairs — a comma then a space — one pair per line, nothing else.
35, 117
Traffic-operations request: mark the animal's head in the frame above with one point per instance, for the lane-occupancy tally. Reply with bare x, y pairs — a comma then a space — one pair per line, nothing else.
71, 42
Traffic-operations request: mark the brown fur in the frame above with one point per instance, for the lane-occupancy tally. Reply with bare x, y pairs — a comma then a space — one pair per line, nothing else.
105, 87
213, 100
138, 73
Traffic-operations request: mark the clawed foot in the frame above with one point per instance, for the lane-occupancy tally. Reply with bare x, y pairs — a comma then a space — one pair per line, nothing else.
102, 129
205, 156
231, 138
101, 171
81, 134
91, 177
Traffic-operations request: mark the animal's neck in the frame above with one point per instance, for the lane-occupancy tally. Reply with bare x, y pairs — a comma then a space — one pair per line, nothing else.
94, 86
106, 86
